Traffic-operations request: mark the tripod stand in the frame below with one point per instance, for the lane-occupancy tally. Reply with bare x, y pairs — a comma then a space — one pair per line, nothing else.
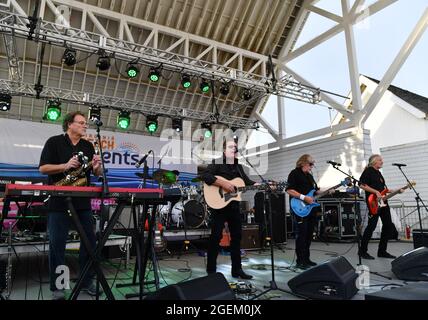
418, 199
268, 206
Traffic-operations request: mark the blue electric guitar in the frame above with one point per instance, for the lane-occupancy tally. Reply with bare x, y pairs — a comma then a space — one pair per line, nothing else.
302, 209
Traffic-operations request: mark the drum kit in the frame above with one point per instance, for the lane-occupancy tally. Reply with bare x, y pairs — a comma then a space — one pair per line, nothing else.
189, 211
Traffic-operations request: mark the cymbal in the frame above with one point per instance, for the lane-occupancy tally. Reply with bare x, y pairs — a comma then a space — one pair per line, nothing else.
141, 175
164, 176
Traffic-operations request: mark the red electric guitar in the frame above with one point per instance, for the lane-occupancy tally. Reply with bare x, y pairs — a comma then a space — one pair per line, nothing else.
373, 202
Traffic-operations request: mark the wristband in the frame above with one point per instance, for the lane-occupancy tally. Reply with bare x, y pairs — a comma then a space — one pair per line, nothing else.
302, 197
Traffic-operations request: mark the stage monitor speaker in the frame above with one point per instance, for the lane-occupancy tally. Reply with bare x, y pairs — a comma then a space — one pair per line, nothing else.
211, 287
413, 291
332, 280
412, 266
279, 230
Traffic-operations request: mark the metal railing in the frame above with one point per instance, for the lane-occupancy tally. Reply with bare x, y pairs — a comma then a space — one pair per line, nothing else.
407, 212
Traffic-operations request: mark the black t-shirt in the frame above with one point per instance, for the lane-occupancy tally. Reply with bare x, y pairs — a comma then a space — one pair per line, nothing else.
302, 182
58, 150
373, 178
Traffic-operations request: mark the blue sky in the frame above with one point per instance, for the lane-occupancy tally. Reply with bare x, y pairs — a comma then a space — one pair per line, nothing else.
378, 40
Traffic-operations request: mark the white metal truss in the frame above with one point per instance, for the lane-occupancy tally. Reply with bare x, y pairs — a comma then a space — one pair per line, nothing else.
351, 15
115, 103
12, 56
64, 35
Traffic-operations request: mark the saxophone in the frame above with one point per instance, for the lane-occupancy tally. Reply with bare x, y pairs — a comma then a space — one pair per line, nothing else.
77, 177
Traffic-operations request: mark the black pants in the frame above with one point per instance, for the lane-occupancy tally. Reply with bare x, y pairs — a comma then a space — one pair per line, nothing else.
231, 215
387, 229
304, 230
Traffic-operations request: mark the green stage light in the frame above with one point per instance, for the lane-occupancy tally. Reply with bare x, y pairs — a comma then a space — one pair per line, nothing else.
152, 124
132, 71
205, 87
154, 74
123, 120
185, 81
53, 110
208, 131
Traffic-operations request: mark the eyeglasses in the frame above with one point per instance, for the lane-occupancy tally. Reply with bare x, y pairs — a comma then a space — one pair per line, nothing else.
82, 123
311, 164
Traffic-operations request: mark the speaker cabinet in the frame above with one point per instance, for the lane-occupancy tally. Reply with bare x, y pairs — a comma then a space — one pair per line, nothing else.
413, 291
211, 287
420, 239
250, 237
331, 280
412, 266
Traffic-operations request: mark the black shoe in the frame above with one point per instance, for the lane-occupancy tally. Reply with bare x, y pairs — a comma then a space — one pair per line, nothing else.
310, 263
385, 255
302, 265
241, 274
365, 255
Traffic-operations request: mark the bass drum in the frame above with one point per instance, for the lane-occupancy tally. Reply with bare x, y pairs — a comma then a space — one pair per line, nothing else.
193, 212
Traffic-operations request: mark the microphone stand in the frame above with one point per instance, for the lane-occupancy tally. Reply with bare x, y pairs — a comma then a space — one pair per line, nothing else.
104, 193
418, 199
357, 226
267, 200
358, 233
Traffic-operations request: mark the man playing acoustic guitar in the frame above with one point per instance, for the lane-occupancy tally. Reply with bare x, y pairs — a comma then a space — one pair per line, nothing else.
372, 182
229, 170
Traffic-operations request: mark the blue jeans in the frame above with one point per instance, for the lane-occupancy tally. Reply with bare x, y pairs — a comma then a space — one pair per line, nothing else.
58, 227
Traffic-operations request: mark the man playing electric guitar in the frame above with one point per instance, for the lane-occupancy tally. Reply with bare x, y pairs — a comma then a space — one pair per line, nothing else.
300, 183
372, 182
229, 170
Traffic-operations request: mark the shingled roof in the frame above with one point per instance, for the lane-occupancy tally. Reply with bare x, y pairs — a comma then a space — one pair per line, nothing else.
417, 101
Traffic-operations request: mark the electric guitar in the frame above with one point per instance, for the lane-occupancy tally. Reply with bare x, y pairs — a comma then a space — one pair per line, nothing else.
218, 198
374, 203
302, 209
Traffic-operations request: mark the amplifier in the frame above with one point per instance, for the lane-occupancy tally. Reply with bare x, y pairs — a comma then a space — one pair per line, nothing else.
420, 239
250, 237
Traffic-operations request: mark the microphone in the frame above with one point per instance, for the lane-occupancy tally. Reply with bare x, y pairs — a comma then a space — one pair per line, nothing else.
97, 122
399, 164
334, 163
138, 164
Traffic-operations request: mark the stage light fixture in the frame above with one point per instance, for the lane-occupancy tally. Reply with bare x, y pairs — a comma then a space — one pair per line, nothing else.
154, 74
208, 130
103, 62
69, 57
177, 124
185, 81
224, 89
53, 110
151, 123
205, 86
94, 113
247, 94
123, 119
5, 102
132, 70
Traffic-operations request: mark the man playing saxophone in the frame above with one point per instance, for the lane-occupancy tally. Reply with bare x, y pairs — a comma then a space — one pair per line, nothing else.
57, 160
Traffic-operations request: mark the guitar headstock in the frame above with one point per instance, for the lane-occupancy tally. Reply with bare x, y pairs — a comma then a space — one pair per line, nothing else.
411, 184
347, 182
